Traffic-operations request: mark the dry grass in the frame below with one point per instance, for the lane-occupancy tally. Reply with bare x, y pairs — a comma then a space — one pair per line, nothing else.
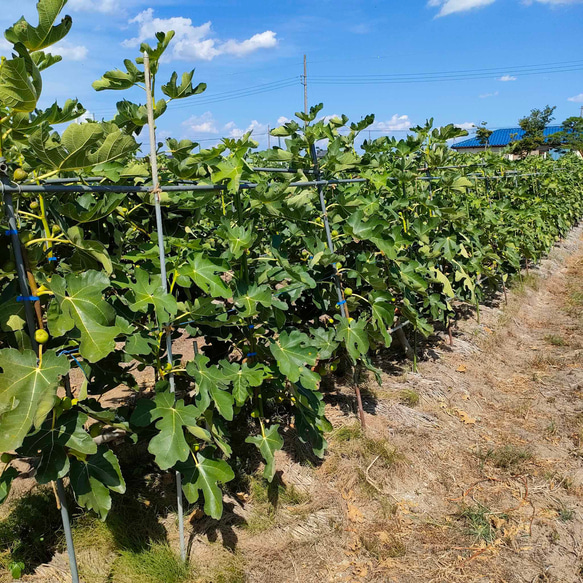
267, 499
381, 542
555, 340
506, 457
409, 397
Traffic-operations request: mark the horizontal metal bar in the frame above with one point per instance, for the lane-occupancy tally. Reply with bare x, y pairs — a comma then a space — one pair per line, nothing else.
105, 188
285, 170
426, 168
73, 180
77, 179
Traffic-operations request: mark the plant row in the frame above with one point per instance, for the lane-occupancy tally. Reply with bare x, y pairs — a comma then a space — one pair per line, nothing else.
252, 278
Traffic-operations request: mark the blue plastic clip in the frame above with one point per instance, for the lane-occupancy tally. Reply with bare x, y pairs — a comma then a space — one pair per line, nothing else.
251, 354
11, 232
340, 303
27, 298
53, 259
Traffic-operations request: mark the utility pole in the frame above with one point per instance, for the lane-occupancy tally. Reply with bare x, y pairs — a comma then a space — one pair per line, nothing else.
268, 138
305, 82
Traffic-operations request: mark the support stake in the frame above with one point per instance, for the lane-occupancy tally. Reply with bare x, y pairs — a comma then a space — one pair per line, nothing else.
163, 274
68, 534
337, 284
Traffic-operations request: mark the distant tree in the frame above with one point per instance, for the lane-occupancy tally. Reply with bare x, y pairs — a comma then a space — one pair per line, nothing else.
533, 126
483, 134
571, 135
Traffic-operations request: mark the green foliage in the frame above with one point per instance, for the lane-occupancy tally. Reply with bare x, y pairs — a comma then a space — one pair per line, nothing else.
268, 443
27, 392
203, 473
483, 134
92, 477
169, 446
533, 126
571, 135
36, 38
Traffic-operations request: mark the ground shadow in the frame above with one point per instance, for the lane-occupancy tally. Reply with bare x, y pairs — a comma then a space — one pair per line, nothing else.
33, 531
214, 529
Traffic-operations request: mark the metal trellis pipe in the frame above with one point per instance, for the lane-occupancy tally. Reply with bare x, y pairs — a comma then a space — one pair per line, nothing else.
160, 228
337, 284
129, 189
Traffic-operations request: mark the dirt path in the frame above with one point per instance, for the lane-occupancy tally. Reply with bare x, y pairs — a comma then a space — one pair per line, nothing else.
480, 480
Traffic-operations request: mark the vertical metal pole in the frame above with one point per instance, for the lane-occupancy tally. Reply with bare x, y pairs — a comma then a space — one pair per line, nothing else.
268, 138
337, 284
30, 322
163, 274
317, 175
305, 85
68, 533
19, 261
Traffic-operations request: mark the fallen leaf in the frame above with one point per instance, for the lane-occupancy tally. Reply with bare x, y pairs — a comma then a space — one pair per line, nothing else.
461, 368
347, 494
362, 571
497, 521
196, 515
354, 514
465, 417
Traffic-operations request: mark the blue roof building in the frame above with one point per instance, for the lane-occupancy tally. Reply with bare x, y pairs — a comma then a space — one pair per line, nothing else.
499, 139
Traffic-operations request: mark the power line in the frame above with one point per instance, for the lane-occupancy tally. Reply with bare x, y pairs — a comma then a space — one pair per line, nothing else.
228, 95
380, 79
505, 69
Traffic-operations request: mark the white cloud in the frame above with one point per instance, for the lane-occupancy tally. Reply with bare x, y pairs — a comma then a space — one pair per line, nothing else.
282, 120
105, 6
486, 95
258, 129
468, 125
396, 123
576, 98
67, 51
327, 118
195, 42
506, 78
452, 6
5, 46
202, 124
87, 116
263, 40
70, 52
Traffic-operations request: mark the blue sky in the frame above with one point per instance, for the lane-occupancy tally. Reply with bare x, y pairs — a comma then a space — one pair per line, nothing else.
505, 54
